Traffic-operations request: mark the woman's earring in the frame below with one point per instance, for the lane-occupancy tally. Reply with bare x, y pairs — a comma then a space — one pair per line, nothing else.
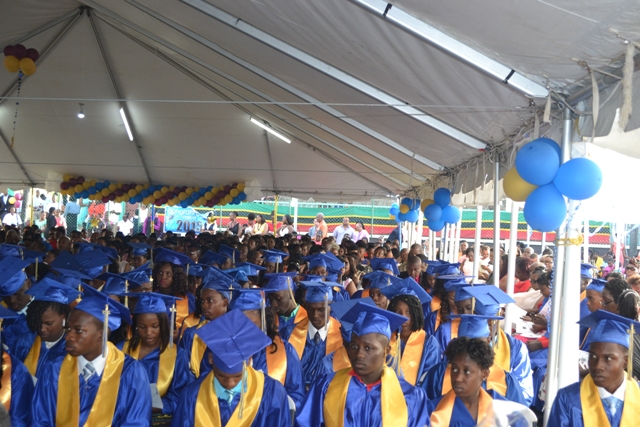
64, 322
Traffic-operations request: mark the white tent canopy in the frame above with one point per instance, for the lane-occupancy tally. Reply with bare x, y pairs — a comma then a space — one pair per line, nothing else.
372, 108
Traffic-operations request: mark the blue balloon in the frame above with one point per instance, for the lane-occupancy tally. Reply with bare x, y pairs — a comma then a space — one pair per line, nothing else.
545, 208
442, 197
401, 217
406, 201
537, 163
415, 204
144, 194
433, 212
395, 206
552, 144
84, 194
77, 195
436, 225
394, 211
451, 215
152, 189
412, 216
579, 179
93, 190
99, 186
138, 198
184, 204
105, 184
242, 196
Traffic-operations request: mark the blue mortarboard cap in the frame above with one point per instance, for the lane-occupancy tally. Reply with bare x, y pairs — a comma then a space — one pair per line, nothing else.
68, 277
585, 270
431, 266
380, 279
210, 273
196, 270
281, 281
330, 261
140, 275
230, 252
385, 264
210, 257
152, 302
173, 257
12, 275
7, 249
240, 276
474, 325
65, 261
250, 269
223, 287
92, 262
233, 339
369, 319
5, 313
50, 290
317, 262
596, 285
609, 327
115, 284
108, 251
406, 286
332, 275
245, 299
452, 284
340, 308
489, 294
462, 294
317, 291
140, 249
94, 303
447, 268
313, 278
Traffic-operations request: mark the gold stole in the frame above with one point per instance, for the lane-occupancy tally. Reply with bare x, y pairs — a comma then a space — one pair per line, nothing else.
5, 391
411, 359
182, 309
593, 414
165, 366
207, 411
441, 417
365, 293
198, 347
435, 304
497, 380
437, 319
31, 361
277, 362
502, 351
455, 324
341, 359
189, 321
583, 295
394, 413
104, 405
298, 336
334, 337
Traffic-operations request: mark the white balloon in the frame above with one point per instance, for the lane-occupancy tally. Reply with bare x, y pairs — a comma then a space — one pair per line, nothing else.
255, 183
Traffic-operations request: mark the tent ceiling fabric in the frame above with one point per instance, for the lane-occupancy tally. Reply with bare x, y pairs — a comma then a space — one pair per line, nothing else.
191, 83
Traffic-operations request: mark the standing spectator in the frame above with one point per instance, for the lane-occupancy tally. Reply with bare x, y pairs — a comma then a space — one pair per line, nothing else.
84, 212
71, 211
343, 230
4, 204
260, 228
233, 226
313, 229
360, 233
51, 221
41, 222
462, 251
60, 220
286, 227
125, 225
321, 229
12, 218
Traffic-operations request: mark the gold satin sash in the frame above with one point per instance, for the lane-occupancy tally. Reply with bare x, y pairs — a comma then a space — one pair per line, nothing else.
277, 362
365, 293
189, 321
436, 302
182, 309
394, 413
583, 295
334, 337
5, 386
207, 411
455, 325
502, 351
593, 414
341, 359
497, 380
441, 417
411, 359
166, 366
198, 347
104, 405
298, 336
31, 361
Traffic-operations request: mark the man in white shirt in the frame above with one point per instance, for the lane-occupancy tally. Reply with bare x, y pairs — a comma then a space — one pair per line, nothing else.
125, 225
12, 218
343, 230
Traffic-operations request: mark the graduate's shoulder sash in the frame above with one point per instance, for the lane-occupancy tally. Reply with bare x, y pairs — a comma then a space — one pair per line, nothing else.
31, 361
412, 356
502, 351
298, 336
443, 413
5, 391
198, 348
277, 360
593, 414
104, 405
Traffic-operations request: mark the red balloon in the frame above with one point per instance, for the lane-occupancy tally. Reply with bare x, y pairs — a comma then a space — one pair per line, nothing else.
125, 187
19, 51
209, 203
105, 199
169, 195
8, 50
234, 185
176, 190
119, 192
214, 201
73, 182
163, 200
132, 185
227, 188
183, 189
33, 54
221, 194
64, 185
158, 202
112, 197
80, 179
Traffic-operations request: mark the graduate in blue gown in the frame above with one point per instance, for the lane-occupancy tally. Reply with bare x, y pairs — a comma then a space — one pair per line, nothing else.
13, 292
474, 326
444, 292
407, 299
586, 277
96, 362
364, 383
46, 316
233, 383
151, 344
612, 397
593, 299
283, 301
253, 304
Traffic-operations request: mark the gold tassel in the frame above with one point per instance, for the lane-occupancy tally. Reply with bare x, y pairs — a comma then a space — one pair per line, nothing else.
243, 389
397, 359
126, 290
173, 323
263, 317
105, 329
632, 332
326, 312
293, 298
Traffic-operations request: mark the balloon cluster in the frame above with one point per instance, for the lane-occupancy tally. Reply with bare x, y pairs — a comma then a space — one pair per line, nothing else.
540, 181
406, 211
19, 57
438, 211
160, 195
14, 199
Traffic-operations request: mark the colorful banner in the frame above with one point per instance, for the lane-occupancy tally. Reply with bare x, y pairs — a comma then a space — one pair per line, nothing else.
181, 220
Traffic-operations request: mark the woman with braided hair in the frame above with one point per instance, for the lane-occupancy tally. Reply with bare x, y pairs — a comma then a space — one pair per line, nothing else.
629, 307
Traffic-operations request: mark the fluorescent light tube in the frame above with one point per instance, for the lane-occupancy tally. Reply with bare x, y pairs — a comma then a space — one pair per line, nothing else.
271, 131
126, 124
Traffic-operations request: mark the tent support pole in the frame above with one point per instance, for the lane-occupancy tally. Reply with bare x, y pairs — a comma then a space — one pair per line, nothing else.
496, 221
585, 246
458, 227
476, 243
511, 265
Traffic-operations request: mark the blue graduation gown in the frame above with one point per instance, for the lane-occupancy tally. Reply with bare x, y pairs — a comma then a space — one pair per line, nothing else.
185, 345
567, 409
432, 384
151, 365
362, 407
430, 321
133, 405
273, 410
293, 383
192, 302
443, 334
460, 416
286, 326
312, 356
521, 368
431, 356
21, 394
17, 336
584, 312
51, 355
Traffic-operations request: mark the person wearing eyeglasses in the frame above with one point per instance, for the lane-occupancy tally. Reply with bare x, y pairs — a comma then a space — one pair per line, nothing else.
611, 294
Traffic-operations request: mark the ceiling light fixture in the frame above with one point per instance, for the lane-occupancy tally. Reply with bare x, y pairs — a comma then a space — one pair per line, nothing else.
266, 126
81, 113
126, 124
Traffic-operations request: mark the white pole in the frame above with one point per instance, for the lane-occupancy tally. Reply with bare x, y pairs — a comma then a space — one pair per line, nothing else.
528, 235
294, 204
476, 243
496, 221
544, 243
557, 335
458, 229
445, 244
452, 244
585, 243
511, 265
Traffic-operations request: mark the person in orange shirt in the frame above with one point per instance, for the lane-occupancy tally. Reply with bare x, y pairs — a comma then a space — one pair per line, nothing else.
321, 228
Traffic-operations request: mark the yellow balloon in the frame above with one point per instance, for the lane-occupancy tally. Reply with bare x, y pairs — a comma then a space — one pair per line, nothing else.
234, 192
86, 185
105, 192
164, 190
29, 71
182, 196
113, 187
78, 188
119, 185
67, 177
139, 188
228, 198
12, 64
92, 183
404, 209
223, 202
425, 203
196, 188
392, 216
132, 193
27, 66
208, 195
241, 187
516, 188
189, 191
